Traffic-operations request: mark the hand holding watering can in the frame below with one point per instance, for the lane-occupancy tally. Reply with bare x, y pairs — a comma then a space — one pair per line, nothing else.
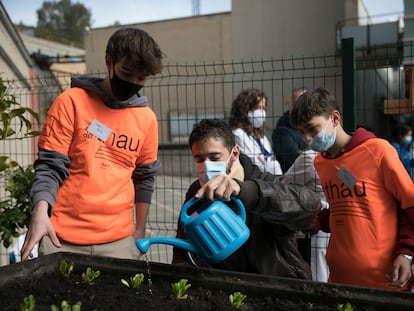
214, 231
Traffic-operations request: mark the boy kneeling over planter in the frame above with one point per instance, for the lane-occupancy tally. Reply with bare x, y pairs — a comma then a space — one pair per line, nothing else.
275, 210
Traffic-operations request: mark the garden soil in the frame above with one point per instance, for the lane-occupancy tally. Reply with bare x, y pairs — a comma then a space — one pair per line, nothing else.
210, 289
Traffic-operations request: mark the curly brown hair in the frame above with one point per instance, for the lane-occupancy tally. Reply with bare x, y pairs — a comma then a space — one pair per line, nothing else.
246, 101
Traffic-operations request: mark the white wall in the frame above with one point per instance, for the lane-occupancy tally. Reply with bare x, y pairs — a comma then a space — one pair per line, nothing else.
279, 28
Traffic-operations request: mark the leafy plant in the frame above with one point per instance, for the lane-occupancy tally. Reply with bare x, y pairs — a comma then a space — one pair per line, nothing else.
65, 306
89, 276
134, 281
180, 288
346, 307
15, 210
9, 115
28, 303
237, 299
66, 268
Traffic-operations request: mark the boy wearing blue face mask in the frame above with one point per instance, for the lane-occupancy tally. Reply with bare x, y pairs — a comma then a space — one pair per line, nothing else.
370, 196
98, 155
402, 139
275, 210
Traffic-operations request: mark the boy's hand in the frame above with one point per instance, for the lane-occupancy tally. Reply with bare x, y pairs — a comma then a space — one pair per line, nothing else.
40, 226
219, 187
402, 272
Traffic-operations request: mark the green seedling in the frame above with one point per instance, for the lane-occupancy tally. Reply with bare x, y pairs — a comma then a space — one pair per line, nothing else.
134, 281
28, 303
65, 306
237, 299
346, 307
180, 289
66, 268
89, 276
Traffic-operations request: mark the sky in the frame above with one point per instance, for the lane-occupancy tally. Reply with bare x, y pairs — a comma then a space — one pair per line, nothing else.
106, 12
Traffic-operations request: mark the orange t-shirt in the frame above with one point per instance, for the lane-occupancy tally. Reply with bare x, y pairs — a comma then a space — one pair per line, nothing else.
363, 220
95, 203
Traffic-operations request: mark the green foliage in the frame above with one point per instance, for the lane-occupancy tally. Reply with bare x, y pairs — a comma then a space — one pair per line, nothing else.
134, 281
180, 289
9, 115
15, 210
63, 21
346, 307
65, 306
66, 268
28, 303
237, 299
89, 276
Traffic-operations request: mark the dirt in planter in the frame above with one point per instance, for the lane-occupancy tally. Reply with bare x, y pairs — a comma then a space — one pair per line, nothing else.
109, 294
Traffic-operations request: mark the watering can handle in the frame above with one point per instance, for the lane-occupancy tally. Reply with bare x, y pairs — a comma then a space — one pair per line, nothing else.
186, 218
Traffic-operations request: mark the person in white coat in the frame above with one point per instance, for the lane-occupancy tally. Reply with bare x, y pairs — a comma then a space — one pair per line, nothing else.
303, 172
247, 118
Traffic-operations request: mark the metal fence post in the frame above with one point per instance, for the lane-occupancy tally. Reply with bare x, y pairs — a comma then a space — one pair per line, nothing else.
348, 84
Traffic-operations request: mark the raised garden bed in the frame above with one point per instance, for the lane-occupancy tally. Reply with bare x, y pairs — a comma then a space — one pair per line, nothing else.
209, 291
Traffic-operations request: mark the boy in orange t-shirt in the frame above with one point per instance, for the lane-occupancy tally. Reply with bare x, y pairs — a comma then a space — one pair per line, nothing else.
98, 155
370, 194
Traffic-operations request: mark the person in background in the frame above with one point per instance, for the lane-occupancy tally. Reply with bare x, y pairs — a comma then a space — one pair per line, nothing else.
287, 142
370, 197
275, 210
402, 139
247, 118
98, 155
303, 172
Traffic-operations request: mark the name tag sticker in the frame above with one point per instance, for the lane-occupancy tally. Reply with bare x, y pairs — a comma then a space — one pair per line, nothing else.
346, 177
100, 130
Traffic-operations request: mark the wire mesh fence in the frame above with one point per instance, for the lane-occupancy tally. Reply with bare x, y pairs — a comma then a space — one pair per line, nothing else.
186, 93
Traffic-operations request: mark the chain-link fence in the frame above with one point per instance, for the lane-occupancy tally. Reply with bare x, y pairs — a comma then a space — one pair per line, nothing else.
186, 93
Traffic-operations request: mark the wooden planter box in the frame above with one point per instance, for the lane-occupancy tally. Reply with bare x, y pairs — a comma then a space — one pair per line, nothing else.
209, 291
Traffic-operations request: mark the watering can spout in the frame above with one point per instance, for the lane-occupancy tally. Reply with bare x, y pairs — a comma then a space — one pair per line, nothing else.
144, 244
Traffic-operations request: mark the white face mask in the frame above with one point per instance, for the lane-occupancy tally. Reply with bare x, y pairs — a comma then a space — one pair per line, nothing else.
257, 117
207, 169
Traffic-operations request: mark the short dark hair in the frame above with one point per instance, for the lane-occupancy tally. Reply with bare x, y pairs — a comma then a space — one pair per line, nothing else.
310, 104
212, 128
137, 47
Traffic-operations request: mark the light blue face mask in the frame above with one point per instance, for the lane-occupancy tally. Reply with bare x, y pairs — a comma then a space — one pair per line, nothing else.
323, 141
408, 140
207, 169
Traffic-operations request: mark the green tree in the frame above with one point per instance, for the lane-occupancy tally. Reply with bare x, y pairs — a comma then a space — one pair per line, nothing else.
63, 21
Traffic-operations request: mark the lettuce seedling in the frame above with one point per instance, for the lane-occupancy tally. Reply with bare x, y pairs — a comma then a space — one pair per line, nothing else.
89, 276
66, 268
67, 307
237, 299
180, 289
346, 307
134, 281
28, 303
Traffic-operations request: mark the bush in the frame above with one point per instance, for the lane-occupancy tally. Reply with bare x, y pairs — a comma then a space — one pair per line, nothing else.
15, 209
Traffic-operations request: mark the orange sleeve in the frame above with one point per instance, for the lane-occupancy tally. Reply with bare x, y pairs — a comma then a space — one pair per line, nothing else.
149, 151
57, 132
396, 178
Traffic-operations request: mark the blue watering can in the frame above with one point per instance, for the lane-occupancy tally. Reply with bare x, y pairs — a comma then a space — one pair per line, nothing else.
214, 231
